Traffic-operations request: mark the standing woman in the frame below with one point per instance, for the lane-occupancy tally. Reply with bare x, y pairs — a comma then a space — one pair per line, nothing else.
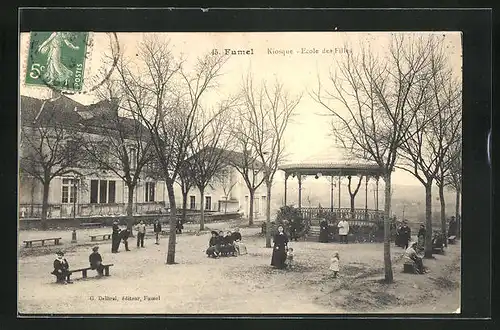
279, 250
323, 231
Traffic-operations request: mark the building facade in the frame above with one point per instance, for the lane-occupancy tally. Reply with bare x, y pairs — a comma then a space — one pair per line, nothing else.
98, 192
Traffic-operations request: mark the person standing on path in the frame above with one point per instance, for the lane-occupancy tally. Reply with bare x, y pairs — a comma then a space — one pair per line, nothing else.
343, 230
124, 235
279, 249
157, 230
335, 264
141, 232
323, 231
115, 238
405, 235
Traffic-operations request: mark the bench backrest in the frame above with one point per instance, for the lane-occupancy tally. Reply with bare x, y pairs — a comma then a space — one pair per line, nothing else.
41, 239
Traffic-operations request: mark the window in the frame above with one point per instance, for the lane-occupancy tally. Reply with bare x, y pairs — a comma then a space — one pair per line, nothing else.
102, 191
208, 203
69, 191
93, 191
132, 158
111, 192
150, 192
192, 202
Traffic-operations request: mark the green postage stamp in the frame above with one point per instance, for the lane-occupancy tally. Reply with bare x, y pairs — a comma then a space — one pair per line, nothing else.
57, 60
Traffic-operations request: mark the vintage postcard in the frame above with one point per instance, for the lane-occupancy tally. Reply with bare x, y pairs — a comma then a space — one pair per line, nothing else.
239, 173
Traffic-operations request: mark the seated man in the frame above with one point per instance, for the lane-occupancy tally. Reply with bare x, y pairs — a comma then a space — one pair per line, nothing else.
411, 255
61, 269
213, 249
95, 261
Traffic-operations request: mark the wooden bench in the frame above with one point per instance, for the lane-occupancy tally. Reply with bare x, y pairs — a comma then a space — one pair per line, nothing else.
452, 239
409, 267
29, 243
91, 224
105, 237
86, 269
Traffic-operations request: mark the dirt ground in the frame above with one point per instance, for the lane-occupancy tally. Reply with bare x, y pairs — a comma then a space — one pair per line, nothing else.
243, 284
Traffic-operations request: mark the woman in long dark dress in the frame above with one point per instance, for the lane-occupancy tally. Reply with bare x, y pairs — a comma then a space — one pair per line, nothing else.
323, 231
279, 249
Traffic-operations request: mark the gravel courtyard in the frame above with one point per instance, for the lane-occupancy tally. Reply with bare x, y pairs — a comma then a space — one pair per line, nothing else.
244, 284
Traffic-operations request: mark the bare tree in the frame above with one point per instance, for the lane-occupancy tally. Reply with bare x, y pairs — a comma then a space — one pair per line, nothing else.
166, 98
224, 178
426, 144
268, 110
186, 182
353, 194
246, 160
49, 148
209, 150
453, 178
374, 113
118, 142
447, 97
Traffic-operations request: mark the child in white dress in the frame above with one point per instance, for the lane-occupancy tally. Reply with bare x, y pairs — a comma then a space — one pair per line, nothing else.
335, 264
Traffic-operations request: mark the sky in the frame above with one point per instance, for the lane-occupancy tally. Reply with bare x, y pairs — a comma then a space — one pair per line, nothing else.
297, 59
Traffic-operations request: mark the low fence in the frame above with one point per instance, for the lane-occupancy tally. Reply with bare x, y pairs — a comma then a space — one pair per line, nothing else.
63, 223
90, 210
346, 213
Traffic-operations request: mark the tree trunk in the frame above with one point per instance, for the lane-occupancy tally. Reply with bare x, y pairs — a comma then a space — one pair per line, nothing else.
457, 213
202, 210
130, 206
443, 213
45, 203
250, 212
268, 215
428, 220
173, 223
353, 197
387, 230
184, 206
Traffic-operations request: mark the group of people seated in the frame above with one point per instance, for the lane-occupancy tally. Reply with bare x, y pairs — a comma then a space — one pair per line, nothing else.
61, 266
225, 245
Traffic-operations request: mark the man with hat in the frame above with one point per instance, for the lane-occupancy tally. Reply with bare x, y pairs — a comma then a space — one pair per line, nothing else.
405, 233
115, 238
95, 260
141, 232
61, 269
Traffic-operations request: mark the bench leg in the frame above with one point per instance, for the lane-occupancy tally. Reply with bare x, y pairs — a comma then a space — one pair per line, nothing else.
56, 242
92, 239
43, 243
84, 272
106, 271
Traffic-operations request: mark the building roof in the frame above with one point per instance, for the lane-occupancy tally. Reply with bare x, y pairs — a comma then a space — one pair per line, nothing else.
332, 168
67, 112
60, 110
